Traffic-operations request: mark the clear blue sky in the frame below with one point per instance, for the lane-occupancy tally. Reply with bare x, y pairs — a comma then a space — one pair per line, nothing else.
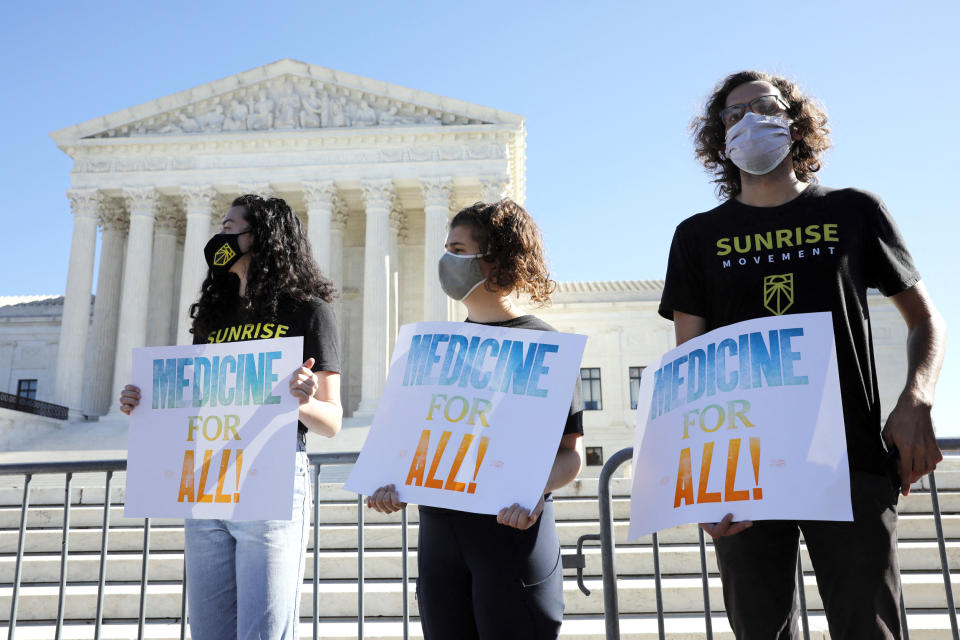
607, 89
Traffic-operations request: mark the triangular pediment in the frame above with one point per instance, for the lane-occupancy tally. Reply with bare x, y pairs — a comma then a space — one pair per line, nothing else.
285, 96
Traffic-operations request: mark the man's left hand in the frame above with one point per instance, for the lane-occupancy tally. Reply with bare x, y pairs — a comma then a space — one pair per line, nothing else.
910, 428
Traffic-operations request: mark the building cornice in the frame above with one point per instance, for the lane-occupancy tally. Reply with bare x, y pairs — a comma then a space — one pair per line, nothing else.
358, 86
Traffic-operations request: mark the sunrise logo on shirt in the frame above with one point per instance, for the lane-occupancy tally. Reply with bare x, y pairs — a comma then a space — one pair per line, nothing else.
778, 293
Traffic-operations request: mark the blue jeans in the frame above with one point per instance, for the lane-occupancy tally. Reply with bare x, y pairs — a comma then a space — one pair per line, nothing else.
244, 576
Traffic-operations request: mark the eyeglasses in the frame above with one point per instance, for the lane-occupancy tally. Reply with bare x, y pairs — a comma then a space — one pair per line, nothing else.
769, 105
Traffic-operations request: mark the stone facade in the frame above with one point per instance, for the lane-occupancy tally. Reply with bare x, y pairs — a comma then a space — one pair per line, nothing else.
373, 170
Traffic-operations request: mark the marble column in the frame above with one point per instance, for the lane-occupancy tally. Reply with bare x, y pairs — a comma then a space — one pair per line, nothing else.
198, 203
102, 351
319, 197
457, 311
162, 273
494, 188
174, 310
338, 225
75, 322
436, 210
135, 291
378, 198
398, 232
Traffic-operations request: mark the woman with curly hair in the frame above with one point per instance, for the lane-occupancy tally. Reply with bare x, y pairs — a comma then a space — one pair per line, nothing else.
244, 576
483, 576
780, 243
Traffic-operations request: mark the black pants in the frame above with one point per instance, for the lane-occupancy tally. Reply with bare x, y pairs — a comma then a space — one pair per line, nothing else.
855, 562
481, 580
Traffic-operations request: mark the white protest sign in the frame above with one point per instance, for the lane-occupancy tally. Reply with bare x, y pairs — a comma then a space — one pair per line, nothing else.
746, 419
471, 415
215, 433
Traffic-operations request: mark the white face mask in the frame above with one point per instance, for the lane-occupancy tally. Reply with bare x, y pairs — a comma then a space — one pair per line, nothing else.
460, 274
758, 144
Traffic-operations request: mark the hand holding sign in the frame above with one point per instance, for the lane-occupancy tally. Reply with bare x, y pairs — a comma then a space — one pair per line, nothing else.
386, 500
129, 398
726, 527
304, 382
519, 517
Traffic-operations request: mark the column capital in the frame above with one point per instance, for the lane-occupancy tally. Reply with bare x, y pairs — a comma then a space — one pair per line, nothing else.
398, 220
494, 188
85, 203
262, 189
437, 192
198, 197
340, 213
113, 217
397, 215
319, 194
460, 201
378, 193
167, 218
142, 201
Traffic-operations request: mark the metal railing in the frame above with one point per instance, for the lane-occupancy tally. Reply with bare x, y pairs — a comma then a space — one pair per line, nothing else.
36, 407
109, 468
577, 561
611, 606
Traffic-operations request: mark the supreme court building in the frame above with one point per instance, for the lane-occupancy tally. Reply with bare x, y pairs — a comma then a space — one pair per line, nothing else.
374, 171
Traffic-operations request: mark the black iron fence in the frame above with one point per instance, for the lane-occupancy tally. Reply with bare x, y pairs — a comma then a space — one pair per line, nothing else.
611, 605
577, 561
29, 405
109, 468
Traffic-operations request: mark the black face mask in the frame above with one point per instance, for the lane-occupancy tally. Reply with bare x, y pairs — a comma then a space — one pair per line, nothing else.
222, 251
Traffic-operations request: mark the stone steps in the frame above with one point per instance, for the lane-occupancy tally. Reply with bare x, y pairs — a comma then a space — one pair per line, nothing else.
387, 536
88, 488
632, 560
576, 509
566, 509
923, 626
338, 599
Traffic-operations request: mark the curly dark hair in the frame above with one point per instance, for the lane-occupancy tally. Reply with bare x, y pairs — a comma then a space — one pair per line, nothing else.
512, 244
281, 267
809, 123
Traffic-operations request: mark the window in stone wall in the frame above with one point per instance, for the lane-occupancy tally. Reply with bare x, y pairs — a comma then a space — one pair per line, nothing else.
27, 389
635, 373
594, 456
590, 383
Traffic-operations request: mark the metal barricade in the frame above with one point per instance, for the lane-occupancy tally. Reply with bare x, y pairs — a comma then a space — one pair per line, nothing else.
109, 468
611, 607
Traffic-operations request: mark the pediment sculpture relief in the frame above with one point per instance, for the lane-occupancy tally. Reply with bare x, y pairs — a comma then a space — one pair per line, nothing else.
285, 104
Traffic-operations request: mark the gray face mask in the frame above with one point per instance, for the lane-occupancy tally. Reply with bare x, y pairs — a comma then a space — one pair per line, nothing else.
758, 144
460, 274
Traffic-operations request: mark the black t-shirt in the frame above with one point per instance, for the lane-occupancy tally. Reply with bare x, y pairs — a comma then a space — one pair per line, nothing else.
819, 252
313, 319
574, 423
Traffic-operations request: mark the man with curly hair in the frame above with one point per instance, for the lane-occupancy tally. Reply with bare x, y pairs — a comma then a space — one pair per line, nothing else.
780, 243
